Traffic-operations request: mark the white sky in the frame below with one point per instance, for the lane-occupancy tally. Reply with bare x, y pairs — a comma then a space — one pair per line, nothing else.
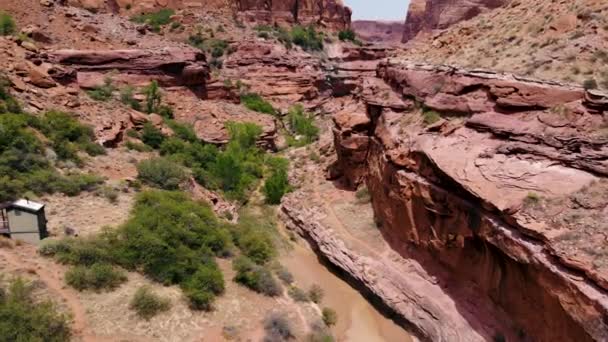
378, 9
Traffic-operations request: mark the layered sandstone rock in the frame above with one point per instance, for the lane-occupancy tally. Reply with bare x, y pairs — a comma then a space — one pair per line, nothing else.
495, 193
429, 15
183, 66
328, 13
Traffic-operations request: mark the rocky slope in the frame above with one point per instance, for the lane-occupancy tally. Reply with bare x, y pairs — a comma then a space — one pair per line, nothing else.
461, 164
428, 15
551, 40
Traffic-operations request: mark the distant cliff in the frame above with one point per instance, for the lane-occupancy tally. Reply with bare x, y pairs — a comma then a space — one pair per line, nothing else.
379, 31
428, 15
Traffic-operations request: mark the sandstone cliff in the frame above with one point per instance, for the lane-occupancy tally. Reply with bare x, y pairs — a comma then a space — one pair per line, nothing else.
390, 32
489, 179
429, 15
329, 13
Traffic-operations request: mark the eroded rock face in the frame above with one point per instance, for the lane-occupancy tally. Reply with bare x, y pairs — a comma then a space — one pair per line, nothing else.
456, 195
429, 15
379, 31
328, 13
172, 66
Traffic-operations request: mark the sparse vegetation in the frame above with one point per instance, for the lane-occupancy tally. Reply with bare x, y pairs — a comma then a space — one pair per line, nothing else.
25, 318
430, 116
363, 195
531, 199
26, 164
277, 328
256, 103
330, 317
156, 20
98, 276
590, 84
307, 38
135, 146
255, 277
170, 238
298, 294
126, 97
103, 92
302, 125
315, 293
148, 304
161, 173
153, 97
349, 35
152, 136
7, 24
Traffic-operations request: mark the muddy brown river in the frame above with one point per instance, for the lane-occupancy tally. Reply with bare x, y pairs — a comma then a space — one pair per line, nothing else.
358, 320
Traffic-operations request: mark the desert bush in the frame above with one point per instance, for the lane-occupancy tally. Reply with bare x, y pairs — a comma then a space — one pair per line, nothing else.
307, 38
252, 235
284, 274
153, 97
161, 173
430, 116
152, 136
302, 124
7, 24
95, 277
205, 284
148, 304
103, 92
127, 97
135, 146
183, 131
156, 20
330, 317
255, 277
25, 318
276, 186
590, 84
256, 103
363, 195
277, 327
109, 193
298, 294
315, 293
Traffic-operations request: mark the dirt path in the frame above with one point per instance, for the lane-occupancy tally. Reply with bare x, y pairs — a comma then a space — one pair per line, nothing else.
51, 275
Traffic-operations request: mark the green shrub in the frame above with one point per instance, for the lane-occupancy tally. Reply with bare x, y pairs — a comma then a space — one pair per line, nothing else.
253, 237
256, 103
298, 294
95, 277
110, 193
430, 117
161, 173
276, 186
135, 146
330, 317
255, 277
104, 92
315, 293
302, 124
183, 131
205, 284
147, 304
152, 136
127, 97
347, 35
277, 327
26, 318
153, 97
7, 24
156, 20
307, 38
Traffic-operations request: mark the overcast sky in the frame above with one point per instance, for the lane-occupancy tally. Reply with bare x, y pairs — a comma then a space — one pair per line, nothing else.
378, 9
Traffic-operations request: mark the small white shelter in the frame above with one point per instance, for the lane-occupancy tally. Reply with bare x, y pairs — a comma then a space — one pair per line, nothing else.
24, 220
